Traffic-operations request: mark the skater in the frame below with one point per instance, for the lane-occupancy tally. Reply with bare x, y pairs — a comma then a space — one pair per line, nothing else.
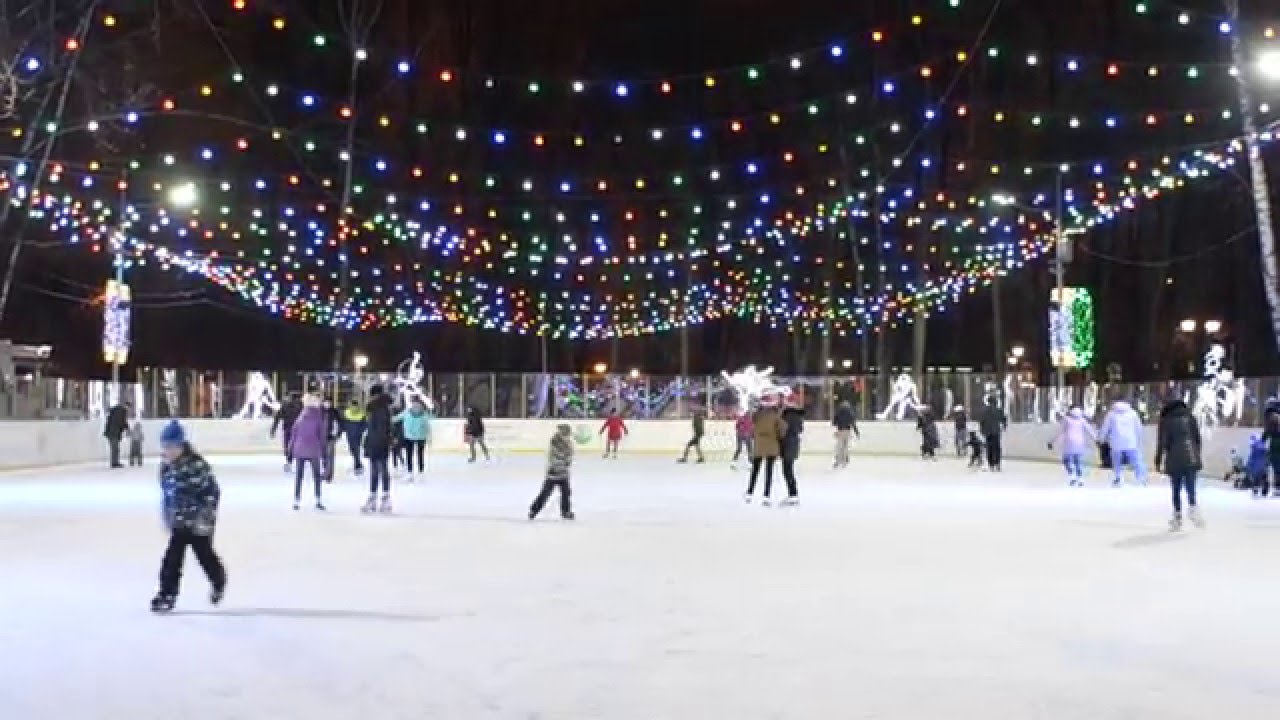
613, 430
285, 417
766, 446
416, 425
559, 458
976, 447
1257, 468
1178, 452
307, 445
333, 431
695, 443
846, 425
475, 433
928, 428
117, 426
993, 423
353, 425
377, 447
1122, 432
1077, 436
793, 428
1271, 435
960, 419
191, 497
744, 430
136, 436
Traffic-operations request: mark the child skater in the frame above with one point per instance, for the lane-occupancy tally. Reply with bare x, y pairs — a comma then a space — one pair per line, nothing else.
1077, 436
928, 428
615, 429
744, 429
975, 450
1258, 466
191, 497
135, 444
308, 445
559, 458
377, 447
695, 443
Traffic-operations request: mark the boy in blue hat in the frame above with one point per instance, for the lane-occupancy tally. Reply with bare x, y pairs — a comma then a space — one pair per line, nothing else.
191, 497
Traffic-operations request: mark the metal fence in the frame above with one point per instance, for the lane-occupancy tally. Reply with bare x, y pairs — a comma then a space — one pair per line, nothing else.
187, 393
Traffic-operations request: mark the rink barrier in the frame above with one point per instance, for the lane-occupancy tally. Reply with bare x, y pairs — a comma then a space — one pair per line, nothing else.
31, 444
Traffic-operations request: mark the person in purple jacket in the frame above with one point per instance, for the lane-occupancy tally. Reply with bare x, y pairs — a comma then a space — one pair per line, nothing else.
1077, 436
308, 445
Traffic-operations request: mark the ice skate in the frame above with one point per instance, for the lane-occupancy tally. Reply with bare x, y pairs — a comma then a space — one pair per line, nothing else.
320, 506
288, 467
683, 460
792, 501
162, 603
216, 595
766, 503
385, 507
1115, 483
567, 516
748, 498
1175, 523
408, 477
370, 505
297, 505
1196, 518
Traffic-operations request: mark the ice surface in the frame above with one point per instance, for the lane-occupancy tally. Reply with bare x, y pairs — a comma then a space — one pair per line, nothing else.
898, 590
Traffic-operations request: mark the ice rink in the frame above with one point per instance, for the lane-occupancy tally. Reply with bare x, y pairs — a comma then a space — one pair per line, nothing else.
897, 590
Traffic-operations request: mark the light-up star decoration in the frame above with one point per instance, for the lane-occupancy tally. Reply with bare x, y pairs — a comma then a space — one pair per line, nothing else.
260, 398
1219, 400
903, 397
751, 384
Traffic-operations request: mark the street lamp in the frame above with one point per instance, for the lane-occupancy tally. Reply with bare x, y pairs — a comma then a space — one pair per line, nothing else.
1018, 351
1212, 327
184, 195
361, 362
600, 368
1269, 65
1188, 326
635, 373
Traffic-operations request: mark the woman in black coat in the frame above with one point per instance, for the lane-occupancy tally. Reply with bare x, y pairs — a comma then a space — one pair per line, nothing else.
1178, 452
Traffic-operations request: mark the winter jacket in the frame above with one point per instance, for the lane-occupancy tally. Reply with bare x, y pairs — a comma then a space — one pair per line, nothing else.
614, 426
769, 430
117, 423
992, 421
377, 437
928, 428
1122, 430
1178, 440
560, 455
286, 416
793, 428
417, 425
1076, 433
310, 435
191, 494
844, 419
743, 426
475, 424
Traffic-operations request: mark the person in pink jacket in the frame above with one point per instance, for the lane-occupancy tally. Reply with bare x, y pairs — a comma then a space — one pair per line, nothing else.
1077, 436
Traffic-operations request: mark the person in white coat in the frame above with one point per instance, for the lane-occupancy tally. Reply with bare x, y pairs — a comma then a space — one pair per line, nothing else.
1122, 430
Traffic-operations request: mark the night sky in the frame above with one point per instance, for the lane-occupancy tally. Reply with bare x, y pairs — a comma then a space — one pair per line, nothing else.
1188, 253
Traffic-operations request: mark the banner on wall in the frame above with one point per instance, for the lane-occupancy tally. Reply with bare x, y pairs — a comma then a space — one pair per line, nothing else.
117, 311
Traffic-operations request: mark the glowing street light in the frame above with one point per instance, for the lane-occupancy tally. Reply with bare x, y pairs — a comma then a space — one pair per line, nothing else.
184, 195
1018, 351
1269, 65
600, 368
635, 373
1212, 327
361, 362
1188, 326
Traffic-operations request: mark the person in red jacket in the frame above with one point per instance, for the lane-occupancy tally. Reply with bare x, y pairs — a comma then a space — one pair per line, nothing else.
615, 428
745, 429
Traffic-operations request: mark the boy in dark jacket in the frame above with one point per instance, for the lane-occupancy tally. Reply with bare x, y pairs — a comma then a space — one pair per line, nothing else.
475, 433
559, 458
793, 424
699, 427
285, 417
846, 425
191, 496
928, 428
975, 448
1178, 452
993, 423
1256, 468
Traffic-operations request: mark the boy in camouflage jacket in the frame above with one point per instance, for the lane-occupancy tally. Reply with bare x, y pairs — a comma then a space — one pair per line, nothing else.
559, 458
191, 496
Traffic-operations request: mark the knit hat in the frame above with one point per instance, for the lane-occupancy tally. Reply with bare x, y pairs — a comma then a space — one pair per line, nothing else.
173, 434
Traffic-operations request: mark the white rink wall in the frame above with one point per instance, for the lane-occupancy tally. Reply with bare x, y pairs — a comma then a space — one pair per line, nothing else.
50, 443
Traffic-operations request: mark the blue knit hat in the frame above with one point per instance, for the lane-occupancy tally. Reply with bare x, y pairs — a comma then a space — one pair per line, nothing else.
173, 434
